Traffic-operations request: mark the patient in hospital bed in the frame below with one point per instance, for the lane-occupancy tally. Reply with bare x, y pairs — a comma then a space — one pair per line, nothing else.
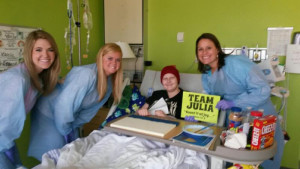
103, 149
171, 96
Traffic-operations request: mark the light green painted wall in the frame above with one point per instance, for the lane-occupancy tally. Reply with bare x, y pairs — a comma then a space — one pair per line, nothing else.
235, 23
51, 16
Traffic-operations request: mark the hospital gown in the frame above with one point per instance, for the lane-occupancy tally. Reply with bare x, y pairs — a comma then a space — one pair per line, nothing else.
71, 105
242, 82
16, 99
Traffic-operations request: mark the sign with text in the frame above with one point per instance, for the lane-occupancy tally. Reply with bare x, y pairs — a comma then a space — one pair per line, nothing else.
202, 106
12, 40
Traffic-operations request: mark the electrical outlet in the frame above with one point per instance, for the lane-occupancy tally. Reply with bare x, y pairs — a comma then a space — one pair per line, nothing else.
138, 50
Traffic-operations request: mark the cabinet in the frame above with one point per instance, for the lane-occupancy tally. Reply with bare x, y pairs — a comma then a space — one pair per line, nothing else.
123, 21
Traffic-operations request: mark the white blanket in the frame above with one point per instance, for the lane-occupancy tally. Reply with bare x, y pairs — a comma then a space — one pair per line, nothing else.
102, 149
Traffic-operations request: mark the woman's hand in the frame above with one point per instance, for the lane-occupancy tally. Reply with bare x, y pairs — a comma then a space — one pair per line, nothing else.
224, 104
190, 119
160, 113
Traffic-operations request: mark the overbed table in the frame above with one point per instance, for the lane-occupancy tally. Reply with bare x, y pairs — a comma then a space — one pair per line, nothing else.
217, 151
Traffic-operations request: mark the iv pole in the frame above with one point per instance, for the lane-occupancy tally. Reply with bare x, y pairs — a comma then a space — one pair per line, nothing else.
80, 130
78, 32
70, 13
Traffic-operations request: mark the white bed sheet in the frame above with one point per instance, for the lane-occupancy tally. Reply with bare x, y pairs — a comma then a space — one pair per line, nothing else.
102, 149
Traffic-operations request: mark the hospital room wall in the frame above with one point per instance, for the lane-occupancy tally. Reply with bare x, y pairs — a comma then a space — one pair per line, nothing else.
51, 16
235, 23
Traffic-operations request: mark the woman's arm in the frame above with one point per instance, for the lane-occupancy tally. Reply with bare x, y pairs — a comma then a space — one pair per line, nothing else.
250, 77
12, 109
68, 102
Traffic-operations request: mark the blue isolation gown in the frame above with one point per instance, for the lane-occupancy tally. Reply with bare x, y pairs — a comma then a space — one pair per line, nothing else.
71, 105
16, 99
243, 82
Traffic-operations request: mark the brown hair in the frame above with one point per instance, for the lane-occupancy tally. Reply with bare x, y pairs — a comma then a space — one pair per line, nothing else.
48, 76
117, 78
221, 55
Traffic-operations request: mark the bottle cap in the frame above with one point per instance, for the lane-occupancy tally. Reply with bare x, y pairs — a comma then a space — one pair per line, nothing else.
256, 113
236, 109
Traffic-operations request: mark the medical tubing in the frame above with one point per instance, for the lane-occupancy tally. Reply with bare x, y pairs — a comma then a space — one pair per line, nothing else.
283, 103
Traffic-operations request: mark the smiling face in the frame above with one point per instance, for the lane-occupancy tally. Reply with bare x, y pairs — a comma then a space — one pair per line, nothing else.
170, 82
111, 62
43, 55
208, 53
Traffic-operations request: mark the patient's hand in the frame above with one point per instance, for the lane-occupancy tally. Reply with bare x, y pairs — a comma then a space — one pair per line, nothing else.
160, 113
143, 112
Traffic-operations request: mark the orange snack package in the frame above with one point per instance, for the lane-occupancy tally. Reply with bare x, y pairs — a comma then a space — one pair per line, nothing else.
263, 132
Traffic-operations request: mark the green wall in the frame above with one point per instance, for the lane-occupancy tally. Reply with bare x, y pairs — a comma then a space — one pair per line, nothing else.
51, 16
235, 23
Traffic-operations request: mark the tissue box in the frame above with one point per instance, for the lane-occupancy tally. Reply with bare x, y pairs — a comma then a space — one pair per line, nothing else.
263, 132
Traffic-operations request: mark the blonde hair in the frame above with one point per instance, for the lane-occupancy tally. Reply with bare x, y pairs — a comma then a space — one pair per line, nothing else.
48, 77
117, 78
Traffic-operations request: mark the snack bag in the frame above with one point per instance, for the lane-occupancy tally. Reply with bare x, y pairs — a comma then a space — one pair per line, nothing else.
263, 132
242, 166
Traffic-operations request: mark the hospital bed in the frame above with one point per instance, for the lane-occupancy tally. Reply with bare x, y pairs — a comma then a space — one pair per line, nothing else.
115, 148
192, 83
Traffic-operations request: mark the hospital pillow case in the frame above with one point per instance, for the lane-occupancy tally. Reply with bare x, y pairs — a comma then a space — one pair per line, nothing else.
130, 102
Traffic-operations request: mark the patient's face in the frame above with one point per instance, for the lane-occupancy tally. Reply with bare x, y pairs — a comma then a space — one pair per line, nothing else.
170, 82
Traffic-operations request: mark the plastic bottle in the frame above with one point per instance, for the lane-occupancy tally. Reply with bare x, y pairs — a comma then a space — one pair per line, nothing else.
246, 120
235, 118
253, 115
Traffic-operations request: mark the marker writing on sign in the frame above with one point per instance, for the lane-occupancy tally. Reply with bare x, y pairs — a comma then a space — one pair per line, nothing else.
204, 103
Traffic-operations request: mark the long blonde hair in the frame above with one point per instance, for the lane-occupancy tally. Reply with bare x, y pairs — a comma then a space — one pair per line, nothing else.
117, 78
48, 76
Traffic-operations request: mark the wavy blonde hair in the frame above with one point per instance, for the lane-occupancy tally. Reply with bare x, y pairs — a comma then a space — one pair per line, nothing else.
48, 77
117, 78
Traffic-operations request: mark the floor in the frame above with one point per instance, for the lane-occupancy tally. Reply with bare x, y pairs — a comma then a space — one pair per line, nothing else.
95, 122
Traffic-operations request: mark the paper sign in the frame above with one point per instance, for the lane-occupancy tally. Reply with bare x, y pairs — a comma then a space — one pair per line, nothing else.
159, 105
293, 59
202, 106
278, 39
12, 40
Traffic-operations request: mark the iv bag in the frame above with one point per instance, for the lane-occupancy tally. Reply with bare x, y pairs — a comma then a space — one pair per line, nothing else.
67, 36
87, 20
87, 16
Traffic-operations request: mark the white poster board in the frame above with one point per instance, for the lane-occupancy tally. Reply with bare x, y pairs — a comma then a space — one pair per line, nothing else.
293, 59
278, 39
12, 40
